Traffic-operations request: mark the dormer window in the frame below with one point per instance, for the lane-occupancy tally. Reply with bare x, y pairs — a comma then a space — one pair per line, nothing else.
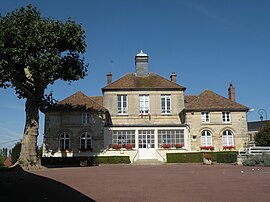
205, 117
166, 104
226, 117
121, 104
144, 104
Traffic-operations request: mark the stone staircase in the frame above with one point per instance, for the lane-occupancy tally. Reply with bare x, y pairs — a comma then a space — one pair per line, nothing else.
147, 162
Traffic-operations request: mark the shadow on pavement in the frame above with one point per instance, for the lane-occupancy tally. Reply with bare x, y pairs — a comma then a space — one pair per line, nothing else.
19, 185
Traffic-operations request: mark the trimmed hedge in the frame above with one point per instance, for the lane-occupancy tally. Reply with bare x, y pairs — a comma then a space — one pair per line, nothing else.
184, 158
113, 159
219, 157
91, 161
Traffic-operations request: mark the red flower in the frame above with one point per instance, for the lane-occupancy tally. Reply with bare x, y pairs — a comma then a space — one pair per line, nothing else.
166, 146
128, 146
178, 145
116, 146
228, 147
208, 147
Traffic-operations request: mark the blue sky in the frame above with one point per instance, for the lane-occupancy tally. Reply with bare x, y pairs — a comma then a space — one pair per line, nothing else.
208, 43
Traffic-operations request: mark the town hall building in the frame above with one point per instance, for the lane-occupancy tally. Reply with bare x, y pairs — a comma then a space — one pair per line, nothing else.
144, 116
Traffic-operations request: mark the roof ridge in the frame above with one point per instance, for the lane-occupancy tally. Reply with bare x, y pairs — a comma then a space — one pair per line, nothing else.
95, 101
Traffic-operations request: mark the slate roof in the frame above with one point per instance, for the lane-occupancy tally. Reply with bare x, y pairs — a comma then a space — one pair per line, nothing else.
257, 125
211, 101
151, 81
79, 99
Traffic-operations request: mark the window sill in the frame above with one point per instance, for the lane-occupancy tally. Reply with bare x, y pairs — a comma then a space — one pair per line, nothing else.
122, 114
166, 114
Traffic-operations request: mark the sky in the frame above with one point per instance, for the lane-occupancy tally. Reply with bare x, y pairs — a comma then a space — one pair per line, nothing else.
207, 43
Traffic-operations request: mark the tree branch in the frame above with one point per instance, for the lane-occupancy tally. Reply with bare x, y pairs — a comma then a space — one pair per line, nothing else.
23, 89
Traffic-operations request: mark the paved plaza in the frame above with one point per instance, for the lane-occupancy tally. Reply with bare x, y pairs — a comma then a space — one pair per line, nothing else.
170, 182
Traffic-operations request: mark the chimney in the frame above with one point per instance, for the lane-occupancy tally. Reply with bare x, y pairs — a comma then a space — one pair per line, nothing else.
141, 64
231, 92
109, 78
173, 77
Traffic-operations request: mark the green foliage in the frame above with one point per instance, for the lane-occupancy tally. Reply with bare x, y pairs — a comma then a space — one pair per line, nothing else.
262, 138
226, 157
219, 157
37, 51
113, 160
2, 159
91, 161
260, 160
184, 157
15, 152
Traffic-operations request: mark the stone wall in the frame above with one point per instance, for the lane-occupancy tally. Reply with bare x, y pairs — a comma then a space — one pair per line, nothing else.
57, 122
238, 126
133, 114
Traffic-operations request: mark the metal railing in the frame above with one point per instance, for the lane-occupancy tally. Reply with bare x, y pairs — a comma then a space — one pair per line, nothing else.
254, 151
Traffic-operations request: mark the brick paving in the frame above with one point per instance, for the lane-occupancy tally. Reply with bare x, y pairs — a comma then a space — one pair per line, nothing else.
170, 182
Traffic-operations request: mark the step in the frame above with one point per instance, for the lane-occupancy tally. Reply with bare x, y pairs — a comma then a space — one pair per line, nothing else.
147, 162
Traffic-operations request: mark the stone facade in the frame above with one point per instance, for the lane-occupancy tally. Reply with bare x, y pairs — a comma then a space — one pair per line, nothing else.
238, 126
70, 122
144, 116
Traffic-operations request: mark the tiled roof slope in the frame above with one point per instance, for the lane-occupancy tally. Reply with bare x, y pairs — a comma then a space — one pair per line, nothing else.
190, 98
209, 100
151, 81
79, 99
257, 125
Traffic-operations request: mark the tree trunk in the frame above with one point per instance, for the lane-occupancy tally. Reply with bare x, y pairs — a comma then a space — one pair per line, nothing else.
29, 141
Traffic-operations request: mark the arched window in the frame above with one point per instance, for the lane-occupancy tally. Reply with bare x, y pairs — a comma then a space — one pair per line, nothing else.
206, 138
227, 138
86, 141
64, 141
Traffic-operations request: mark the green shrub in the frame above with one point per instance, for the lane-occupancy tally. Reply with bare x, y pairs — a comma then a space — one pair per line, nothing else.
91, 161
262, 138
15, 152
184, 158
226, 157
2, 159
219, 157
261, 160
113, 159
249, 162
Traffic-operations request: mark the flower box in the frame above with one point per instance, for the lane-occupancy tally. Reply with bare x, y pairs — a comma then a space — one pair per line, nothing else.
178, 146
116, 146
166, 146
207, 148
228, 147
128, 146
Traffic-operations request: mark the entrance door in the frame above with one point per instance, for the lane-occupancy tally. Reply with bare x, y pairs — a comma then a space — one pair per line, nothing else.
147, 144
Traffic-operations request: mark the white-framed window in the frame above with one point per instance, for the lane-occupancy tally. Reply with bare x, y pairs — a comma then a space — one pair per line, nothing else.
146, 139
227, 138
86, 141
205, 117
121, 104
226, 117
206, 138
166, 104
64, 141
85, 118
144, 104
170, 137
123, 137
